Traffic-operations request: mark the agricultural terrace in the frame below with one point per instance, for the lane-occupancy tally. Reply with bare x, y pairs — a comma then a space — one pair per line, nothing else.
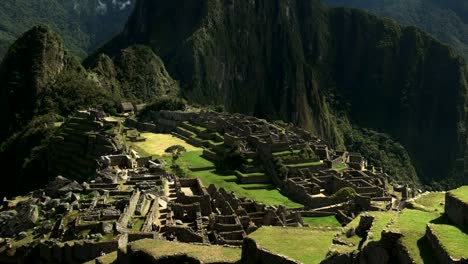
323, 221
306, 245
412, 224
453, 240
431, 202
461, 193
205, 254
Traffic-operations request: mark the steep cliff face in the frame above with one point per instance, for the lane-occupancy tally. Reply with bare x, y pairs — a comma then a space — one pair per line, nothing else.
303, 62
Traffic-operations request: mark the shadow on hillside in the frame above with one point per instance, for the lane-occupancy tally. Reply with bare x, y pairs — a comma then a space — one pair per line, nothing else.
444, 220
425, 251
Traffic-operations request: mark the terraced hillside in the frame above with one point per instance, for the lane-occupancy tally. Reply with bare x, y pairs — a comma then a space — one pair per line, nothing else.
78, 143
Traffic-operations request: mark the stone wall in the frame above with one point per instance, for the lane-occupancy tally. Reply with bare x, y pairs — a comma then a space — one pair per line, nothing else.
152, 216
185, 234
143, 127
128, 211
300, 194
456, 209
74, 252
442, 256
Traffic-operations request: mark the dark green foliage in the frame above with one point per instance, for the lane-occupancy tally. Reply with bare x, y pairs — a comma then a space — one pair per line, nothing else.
32, 61
381, 151
345, 193
447, 20
165, 103
83, 24
281, 170
22, 156
39, 77
175, 149
77, 90
308, 153
231, 159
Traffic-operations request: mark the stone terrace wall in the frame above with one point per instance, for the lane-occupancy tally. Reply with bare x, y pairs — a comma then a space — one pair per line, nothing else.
456, 209
253, 254
128, 211
74, 252
442, 255
144, 127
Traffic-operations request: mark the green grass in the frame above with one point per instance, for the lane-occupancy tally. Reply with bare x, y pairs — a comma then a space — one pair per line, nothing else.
412, 224
323, 221
138, 224
106, 259
193, 159
247, 175
198, 128
314, 163
228, 182
340, 167
382, 219
307, 245
286, 152
206, 254
155, 144
430, 202
454, 240
354, 239
461, 193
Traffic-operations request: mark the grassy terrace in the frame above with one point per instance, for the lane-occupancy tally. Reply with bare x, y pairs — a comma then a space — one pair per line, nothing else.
340, 167
461, 193
155, 144
308, 164
106, 259
286, 152
307, 245
206, 254
324, 221
195, 127
228, 182
430, 202
453, 240
412, 224
382, 219
194, 160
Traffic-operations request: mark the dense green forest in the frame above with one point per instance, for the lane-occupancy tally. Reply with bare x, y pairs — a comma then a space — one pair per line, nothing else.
83, 24
447, 20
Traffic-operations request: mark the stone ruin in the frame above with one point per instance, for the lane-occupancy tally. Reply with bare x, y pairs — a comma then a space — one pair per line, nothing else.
312, 176
71, 222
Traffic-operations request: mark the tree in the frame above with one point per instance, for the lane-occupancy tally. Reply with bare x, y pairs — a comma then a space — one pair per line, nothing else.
176, 151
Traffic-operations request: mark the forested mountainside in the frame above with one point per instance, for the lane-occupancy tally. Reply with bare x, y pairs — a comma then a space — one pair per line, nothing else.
447, 20
330, 70
83, 24
42, 83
